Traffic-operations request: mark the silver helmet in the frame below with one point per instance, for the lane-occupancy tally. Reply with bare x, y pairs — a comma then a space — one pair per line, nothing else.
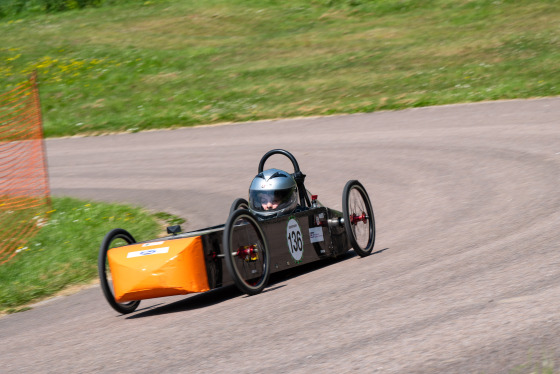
272, 192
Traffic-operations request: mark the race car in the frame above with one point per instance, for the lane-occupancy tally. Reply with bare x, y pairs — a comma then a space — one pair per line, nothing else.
280, 226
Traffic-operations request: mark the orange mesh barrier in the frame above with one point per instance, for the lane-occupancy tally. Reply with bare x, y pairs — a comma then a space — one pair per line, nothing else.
24, 189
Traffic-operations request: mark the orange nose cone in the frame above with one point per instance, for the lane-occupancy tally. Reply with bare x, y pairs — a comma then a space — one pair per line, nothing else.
172, 267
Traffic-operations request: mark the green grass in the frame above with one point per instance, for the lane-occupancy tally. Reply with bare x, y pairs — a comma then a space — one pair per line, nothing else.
64, 251
19, 217
16, 7
544, 365
167, 63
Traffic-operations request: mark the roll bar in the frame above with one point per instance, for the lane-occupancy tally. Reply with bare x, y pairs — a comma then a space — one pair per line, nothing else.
299, 177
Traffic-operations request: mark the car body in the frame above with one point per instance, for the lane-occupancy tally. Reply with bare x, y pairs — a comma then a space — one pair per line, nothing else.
244, 251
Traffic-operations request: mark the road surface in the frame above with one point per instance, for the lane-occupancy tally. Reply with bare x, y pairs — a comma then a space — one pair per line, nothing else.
465, 278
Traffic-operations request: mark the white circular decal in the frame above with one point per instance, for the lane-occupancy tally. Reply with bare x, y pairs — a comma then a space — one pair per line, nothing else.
295, 239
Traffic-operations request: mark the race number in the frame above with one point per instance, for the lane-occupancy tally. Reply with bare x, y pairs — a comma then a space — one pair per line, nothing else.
295, 239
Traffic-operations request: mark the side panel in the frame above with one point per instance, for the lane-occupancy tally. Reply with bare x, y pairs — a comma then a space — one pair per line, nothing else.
304, 237
319, 240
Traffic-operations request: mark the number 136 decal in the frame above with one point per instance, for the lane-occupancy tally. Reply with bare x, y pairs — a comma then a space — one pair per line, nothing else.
295, 239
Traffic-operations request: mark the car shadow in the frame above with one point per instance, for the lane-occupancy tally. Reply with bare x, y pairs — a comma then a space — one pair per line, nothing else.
377, 252
191, 302
222, 294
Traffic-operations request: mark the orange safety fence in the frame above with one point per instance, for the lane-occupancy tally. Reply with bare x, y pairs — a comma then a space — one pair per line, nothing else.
24, 187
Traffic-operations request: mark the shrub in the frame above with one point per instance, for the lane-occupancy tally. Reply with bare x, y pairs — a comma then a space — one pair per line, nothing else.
16, 7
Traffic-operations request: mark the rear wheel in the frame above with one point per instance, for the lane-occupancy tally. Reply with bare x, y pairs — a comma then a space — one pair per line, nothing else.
359, 221
246, 252
115, 238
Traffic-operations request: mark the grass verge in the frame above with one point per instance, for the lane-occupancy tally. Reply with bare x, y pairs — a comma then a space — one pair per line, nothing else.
536, 366
64, 251
169, 63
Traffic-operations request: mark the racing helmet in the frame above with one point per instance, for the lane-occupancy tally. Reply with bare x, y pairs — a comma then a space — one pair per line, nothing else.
273, 192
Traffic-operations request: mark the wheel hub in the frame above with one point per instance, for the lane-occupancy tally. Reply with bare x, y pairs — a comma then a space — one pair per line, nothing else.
248, 253
354, 218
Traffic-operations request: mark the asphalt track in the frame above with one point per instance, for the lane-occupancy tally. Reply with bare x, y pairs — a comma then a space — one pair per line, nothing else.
466, 277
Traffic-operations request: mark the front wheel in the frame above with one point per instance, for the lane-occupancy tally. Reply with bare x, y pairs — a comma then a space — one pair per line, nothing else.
246, 252
359, 221
115, 238
239, 203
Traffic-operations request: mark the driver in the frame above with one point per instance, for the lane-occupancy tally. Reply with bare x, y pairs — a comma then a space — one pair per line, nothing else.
273, 193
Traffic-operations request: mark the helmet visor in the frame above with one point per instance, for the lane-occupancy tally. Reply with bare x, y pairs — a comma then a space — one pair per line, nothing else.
271, 201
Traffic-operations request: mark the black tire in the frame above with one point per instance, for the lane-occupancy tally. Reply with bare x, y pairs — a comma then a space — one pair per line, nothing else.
116, 236
359, 220
239, 203
250, 271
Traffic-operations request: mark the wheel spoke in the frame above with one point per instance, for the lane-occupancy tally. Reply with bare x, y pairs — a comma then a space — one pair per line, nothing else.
244, 236
358, 210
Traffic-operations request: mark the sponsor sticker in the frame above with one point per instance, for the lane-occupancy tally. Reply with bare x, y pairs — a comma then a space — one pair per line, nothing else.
316, 234
147, 252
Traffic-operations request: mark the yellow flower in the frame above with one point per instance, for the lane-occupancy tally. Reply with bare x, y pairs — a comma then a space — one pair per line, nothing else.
10, 59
